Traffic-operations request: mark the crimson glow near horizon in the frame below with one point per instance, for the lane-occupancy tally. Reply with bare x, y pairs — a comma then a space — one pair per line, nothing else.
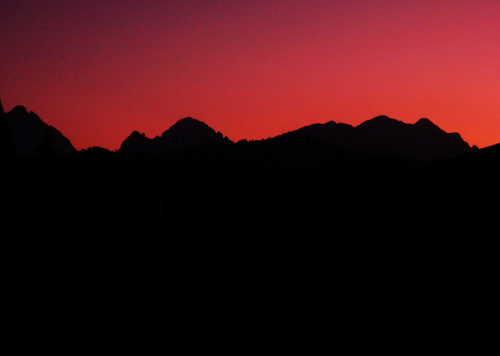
97, 70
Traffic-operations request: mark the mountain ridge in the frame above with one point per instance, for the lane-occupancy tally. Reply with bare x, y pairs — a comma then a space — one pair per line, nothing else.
381, 135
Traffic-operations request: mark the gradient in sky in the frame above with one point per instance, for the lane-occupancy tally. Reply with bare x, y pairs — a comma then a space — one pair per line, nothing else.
97, 70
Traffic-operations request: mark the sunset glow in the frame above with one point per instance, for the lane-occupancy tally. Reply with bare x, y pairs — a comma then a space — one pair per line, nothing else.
97, 70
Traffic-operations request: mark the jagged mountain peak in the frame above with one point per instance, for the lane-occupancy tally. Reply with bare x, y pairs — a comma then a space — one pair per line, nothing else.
184, 134
137, 134
189, 126
135, 142
19, 109
188, 121
426, 123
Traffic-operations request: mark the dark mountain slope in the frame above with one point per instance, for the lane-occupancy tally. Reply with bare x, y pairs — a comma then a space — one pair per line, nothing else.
481, 167
385, 136
33, 137
6, 144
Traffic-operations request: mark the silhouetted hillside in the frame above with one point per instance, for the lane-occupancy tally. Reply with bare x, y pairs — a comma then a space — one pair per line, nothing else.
385, 136
184, 134
33, 137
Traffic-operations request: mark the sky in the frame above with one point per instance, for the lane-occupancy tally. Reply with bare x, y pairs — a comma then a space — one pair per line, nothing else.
97, 70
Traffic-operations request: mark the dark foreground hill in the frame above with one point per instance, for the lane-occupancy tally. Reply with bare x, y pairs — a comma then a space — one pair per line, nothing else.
283, 246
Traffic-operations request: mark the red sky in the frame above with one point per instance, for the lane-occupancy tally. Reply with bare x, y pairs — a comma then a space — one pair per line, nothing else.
97, 70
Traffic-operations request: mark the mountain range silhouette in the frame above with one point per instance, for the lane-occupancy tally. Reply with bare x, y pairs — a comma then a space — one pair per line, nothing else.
379, 136
385, 136
329, 239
